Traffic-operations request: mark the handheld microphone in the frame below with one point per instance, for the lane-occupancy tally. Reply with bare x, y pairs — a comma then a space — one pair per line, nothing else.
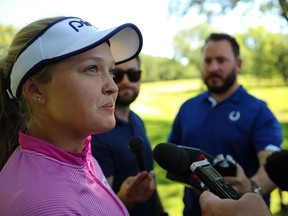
172, 158
276, 167
136, 146
176, 159
182, 161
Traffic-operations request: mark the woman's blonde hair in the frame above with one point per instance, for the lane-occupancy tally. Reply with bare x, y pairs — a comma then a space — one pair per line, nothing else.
16, 114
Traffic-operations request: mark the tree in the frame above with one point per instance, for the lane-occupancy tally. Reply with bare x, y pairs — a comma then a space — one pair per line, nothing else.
265, 54
161, 68
219, 7
280, 52
6, 35
188, 44
259, 43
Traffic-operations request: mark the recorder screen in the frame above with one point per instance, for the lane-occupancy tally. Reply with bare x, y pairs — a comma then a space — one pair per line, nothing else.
212, 172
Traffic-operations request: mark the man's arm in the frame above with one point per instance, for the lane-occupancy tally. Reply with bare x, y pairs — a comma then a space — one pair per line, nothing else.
243, 184
261, 178
248, 204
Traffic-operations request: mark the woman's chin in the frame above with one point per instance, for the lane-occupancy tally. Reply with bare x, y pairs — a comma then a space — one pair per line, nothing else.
107, 126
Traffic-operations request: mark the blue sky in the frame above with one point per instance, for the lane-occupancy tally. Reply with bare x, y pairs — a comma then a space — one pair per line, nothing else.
151, 16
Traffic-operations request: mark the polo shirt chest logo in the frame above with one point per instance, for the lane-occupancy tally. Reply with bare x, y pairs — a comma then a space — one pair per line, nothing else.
234, 115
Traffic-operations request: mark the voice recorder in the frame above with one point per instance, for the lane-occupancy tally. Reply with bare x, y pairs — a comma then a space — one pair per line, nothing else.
213, 180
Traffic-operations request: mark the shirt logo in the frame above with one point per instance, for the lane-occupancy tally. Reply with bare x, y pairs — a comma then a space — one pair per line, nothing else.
234, 115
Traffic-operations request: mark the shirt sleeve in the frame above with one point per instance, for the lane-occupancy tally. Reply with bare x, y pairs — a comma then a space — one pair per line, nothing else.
267, 131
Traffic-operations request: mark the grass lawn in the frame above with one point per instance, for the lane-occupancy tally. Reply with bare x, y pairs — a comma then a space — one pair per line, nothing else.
158, 104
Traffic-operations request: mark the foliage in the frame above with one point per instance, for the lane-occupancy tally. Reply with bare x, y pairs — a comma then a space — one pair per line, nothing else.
264, 60
160, 68
6, 35
264, 53
188, 44
213, 8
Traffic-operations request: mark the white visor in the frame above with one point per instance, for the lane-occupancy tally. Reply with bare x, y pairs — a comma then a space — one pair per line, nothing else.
67, 37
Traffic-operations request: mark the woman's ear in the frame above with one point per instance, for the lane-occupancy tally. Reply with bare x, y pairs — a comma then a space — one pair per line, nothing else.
32, 92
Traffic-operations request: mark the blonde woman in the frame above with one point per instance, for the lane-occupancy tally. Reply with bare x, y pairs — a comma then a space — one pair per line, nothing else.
57, 88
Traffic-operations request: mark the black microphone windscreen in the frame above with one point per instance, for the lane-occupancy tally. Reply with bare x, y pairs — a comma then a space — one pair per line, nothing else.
276, 167
172, 158
136, 144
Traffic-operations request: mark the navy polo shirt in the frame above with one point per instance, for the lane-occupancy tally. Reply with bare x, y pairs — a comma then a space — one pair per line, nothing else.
241, 126
115, 158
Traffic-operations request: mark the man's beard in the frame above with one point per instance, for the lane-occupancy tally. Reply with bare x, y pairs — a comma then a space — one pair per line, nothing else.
126, 101
227, 82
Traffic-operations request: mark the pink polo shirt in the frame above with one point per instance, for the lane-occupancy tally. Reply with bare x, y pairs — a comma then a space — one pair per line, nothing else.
41, 179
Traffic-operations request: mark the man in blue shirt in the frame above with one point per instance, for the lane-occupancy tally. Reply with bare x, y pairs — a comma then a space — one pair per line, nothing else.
227, 120
134, 187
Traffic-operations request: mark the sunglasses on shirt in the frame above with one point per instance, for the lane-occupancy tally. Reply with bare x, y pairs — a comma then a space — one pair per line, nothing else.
133, 75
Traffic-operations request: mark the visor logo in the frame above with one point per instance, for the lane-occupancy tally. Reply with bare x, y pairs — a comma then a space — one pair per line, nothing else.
76, 25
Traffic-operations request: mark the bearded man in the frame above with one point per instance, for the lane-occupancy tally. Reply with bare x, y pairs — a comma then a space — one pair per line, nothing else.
135, 186
226, 119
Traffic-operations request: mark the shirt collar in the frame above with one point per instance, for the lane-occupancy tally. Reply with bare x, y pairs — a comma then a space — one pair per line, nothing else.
31, 143
235, 97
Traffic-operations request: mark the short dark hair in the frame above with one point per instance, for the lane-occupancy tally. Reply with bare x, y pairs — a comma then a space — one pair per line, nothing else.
229, 38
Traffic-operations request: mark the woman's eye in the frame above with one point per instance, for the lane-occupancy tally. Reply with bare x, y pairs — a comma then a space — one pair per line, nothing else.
92, 69
112, 72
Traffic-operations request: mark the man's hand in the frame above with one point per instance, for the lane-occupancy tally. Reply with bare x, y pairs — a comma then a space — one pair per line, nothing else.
248, 204
240, 182
137, 189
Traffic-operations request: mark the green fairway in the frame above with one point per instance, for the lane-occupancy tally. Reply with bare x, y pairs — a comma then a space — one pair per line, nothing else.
158, 104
